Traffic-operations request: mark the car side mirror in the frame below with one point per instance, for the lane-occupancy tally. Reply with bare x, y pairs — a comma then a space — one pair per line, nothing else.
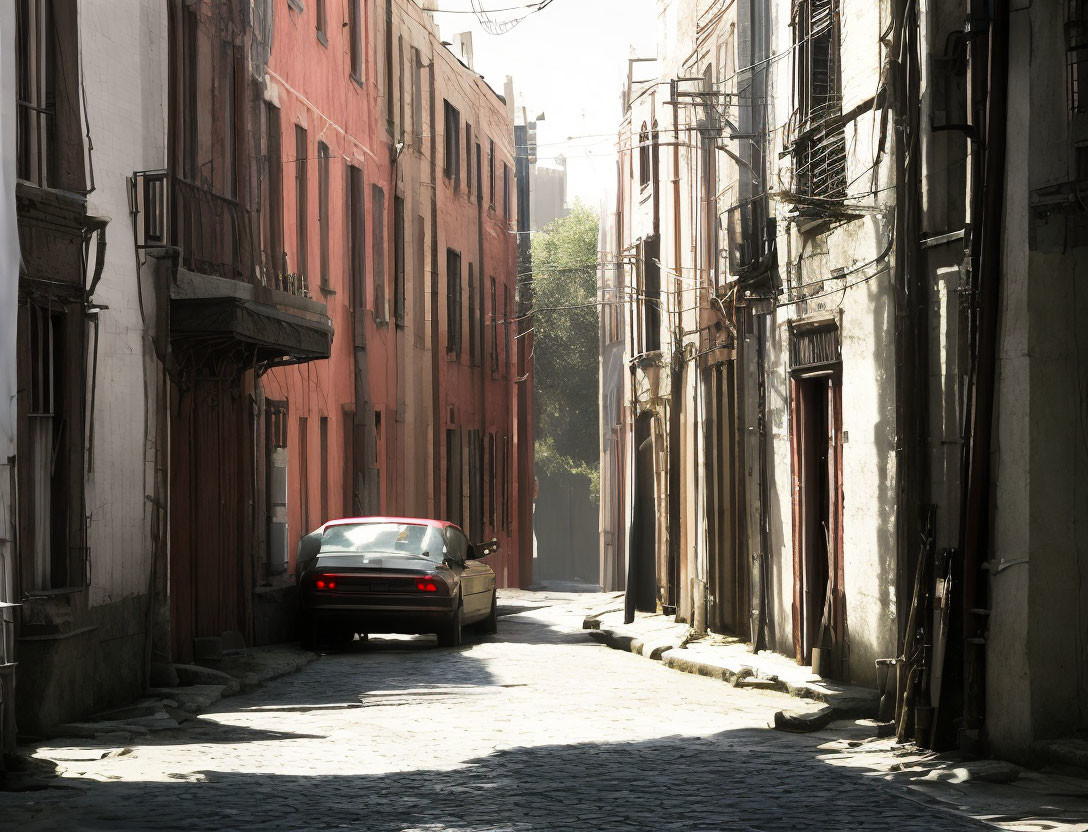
479, 551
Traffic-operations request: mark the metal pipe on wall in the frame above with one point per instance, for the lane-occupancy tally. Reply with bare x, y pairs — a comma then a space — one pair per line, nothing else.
988, 204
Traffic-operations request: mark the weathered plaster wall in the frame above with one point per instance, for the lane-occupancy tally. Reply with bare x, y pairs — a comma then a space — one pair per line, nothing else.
125, 91
1008, 671
9, 283
859, 250
1037, 651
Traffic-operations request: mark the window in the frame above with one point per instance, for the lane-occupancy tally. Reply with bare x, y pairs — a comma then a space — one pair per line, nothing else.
494, 328
479, 176
655, 157
322, 22
504, 479
491, 480
398, 261
452, 166
273, 215
453, 476
505, 191
357, 246
226, 92
323, 209
643, 156
35, 93
275, 443
304, 474
473, 320
417, 99
49, 126
1076, 44
468, 159
475, 485
650, 294
390, 98
383, 538
301, 207
192, 111
491, 173
453, 302
347, 461
506, 327
400, 87
355, 36
379, 455
381, 308
419, 289
820, 147
325, 470
50, 474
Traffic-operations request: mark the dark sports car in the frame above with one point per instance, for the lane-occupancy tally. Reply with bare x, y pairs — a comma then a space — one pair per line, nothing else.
392, 575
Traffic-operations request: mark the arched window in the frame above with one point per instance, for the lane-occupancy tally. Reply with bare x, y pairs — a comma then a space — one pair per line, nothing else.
655, 162
644, 156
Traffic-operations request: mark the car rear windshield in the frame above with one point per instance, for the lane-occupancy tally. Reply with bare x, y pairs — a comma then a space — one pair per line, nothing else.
410, 539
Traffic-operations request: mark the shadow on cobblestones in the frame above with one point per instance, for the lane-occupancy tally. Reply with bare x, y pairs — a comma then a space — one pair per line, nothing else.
748, 779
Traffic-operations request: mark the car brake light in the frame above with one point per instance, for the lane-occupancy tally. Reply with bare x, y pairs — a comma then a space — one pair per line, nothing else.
325, 583
427, 585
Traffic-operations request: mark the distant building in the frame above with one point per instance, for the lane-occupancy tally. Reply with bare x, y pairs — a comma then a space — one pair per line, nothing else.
549, 193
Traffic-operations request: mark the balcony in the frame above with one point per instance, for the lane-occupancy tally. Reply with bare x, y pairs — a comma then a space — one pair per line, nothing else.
212, 233
226, 295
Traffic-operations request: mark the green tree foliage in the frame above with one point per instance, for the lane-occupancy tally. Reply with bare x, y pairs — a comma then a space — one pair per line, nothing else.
566, 346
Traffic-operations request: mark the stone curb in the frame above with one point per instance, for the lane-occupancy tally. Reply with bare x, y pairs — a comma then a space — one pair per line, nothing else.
847, 702
168, 706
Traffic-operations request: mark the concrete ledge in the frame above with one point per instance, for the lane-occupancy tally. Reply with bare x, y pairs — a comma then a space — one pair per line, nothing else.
199, 687
660, 638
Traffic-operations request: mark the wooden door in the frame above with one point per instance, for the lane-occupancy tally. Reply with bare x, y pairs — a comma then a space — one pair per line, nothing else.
209, 443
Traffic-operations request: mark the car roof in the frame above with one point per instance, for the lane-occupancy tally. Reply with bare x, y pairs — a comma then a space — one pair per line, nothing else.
416, 521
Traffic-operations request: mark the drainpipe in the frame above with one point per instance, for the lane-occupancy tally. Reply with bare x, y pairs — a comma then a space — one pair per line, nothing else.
988, 198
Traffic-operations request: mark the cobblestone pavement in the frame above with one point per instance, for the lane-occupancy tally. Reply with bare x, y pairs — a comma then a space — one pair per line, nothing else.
536, 729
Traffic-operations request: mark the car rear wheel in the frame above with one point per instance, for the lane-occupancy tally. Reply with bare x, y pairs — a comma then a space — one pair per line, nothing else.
339, 638
307, 632
490, 625
450, 635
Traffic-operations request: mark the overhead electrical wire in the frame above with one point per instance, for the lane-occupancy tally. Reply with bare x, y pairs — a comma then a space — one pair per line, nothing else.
501, 27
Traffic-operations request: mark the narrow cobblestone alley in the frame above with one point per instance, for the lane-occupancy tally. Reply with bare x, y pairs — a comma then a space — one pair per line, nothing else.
538, 728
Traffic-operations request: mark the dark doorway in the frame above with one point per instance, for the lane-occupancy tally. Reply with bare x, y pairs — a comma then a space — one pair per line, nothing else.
642, 569
728, 576
819, 611
208, 507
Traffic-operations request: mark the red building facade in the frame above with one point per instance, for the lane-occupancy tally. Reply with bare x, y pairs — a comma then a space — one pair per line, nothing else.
398, 214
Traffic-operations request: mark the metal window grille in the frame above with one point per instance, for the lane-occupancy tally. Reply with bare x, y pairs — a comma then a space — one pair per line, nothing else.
815, 347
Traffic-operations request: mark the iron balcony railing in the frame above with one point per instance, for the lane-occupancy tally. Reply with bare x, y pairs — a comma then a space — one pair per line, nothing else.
212, 233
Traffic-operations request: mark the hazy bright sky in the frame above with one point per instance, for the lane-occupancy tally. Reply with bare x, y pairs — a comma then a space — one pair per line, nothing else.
569, 62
